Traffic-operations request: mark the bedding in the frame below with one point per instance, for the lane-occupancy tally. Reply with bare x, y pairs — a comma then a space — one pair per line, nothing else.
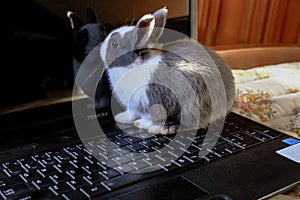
270, 95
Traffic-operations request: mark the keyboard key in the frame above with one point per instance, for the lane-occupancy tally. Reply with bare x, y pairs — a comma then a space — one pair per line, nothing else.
160, 140
139, 164
80, 146
44, 172
120, 142
49, 161
122, 159
230, 138
110, 173
103, 140
256, 135
76, 194
198, 141
74, 163
38, 157
211, 156
78, 183
169, 137
94, 190
104, 167
108, 163
240, 135
108, 155
90, 169
76, 173
120, 135
132, 140
94, 178
170, 166
58, 178
42, 183
216, 140
247, 142
41, 194
136, 156
126, 168
59, 189
192, 149
193, 157
157, 148
14, 168
183, 161
267, 132
3, 183
231, 129
148, 143
77, 153
90, 159
61, 156
233, 149
29, 165
28, 177
121, 181
61, 167
196, 146
153, 160
16, 190
221, 150
120, 151
136, 147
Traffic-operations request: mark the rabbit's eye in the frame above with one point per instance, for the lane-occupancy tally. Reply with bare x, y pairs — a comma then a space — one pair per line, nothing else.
114, 44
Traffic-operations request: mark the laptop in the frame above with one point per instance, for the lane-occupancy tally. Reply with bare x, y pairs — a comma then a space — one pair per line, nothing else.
42, 156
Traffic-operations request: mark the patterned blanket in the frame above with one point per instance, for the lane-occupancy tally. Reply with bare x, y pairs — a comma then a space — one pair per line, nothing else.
270, 95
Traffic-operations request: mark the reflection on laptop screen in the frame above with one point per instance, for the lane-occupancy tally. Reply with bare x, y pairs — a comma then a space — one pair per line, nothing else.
37, 66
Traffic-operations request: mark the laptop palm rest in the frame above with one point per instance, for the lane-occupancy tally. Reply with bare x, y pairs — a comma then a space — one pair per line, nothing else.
177, 188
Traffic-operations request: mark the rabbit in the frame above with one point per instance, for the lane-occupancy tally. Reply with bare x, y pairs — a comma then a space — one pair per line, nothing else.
136, 62
88, 36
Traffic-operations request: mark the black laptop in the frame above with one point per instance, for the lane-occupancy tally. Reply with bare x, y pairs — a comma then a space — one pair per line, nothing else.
42, 156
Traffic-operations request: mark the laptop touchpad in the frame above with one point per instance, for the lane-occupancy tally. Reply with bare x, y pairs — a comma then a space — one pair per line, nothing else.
177, 188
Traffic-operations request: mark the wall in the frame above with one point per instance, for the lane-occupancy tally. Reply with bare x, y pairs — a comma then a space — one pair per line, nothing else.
248, 22
116, 11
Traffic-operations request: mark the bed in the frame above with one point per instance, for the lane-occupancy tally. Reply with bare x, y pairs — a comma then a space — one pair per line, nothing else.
267, 85
268, 89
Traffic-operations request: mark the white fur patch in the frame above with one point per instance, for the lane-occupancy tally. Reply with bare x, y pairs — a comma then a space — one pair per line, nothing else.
131, 82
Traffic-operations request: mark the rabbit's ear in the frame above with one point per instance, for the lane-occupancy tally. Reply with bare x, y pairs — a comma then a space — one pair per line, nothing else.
90, 16
160, 17
76, 22
143, 30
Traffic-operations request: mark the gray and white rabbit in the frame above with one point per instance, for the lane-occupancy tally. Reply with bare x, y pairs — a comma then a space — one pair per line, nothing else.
155, 81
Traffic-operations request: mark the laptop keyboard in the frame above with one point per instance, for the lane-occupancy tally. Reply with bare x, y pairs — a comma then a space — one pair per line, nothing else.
72, 172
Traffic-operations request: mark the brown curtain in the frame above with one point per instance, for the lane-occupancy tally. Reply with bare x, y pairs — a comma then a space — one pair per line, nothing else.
249, 22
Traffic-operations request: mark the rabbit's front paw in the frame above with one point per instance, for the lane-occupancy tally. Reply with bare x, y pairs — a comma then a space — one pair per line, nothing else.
124, 118
161, 129
169, 129
155, 129
143, 123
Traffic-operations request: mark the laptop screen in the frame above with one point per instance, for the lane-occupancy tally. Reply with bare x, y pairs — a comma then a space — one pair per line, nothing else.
37, 61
